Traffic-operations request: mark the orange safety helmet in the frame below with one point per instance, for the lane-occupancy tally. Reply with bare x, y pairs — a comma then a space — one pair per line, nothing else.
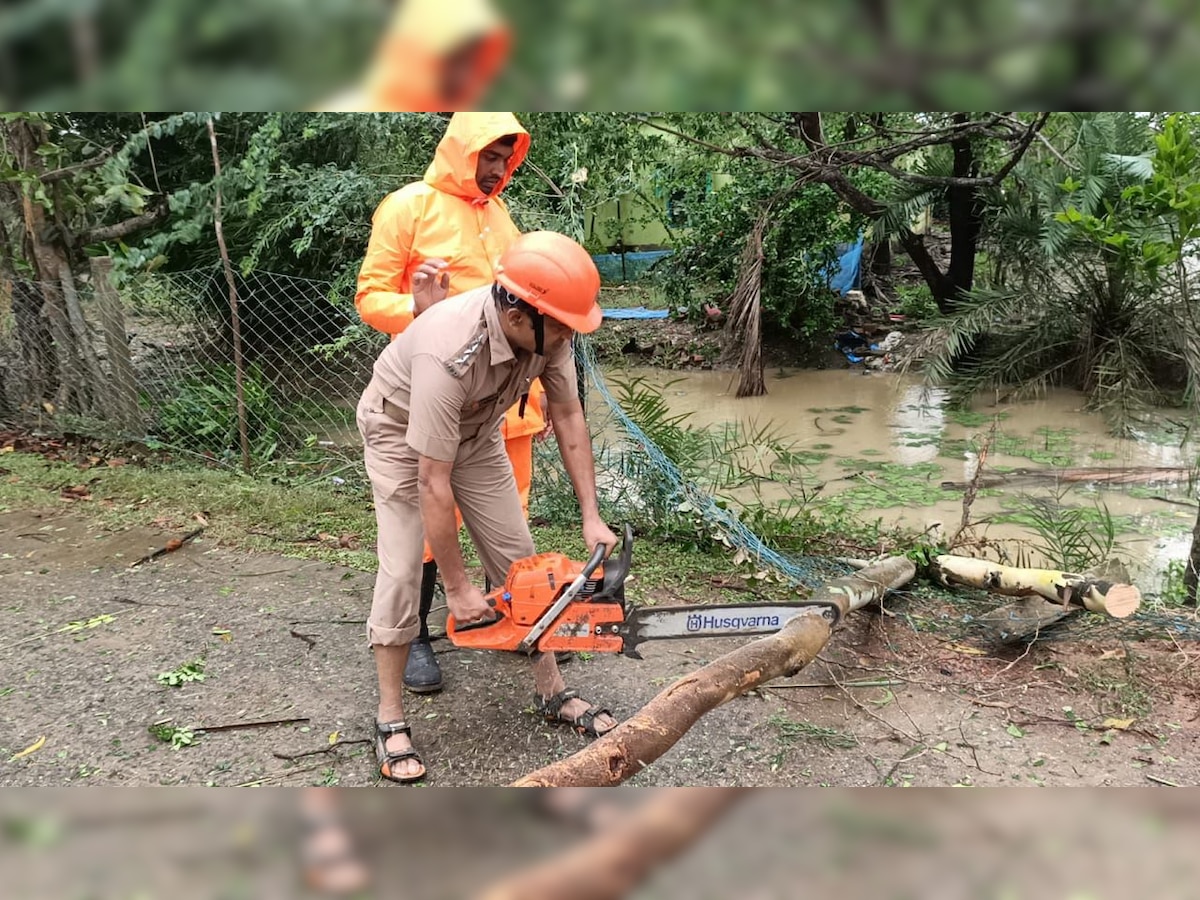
554, 275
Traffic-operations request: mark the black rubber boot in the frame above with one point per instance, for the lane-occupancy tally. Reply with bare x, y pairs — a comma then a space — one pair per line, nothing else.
422, 674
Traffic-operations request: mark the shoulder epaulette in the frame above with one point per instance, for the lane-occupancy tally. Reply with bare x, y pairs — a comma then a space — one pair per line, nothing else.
465, 357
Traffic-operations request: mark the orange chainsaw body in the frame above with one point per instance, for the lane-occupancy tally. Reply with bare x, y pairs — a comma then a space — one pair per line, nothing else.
533, 584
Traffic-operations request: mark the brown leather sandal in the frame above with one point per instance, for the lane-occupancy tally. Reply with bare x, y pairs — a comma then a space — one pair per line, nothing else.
584, 723
387, 759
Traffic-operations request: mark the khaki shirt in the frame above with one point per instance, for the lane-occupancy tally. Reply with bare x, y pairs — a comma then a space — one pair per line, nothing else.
450, 375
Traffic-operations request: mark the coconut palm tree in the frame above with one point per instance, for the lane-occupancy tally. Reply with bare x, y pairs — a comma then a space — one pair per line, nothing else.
1074, 293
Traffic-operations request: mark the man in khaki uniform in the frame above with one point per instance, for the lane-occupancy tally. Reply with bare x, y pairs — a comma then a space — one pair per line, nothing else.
429, 420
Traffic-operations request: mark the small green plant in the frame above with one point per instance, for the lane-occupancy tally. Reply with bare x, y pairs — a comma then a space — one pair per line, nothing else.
1071, 537
175, 735
188, 672
1174, 592
916, 301
202, 415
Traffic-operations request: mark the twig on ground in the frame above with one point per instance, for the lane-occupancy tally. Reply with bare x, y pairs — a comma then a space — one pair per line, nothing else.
143, 603
907, 756
328, 622
966, 743
276, 777
877, 717
309, 639
169, 547
888, 682
262, 724
1025, 653
330, 749
1164, 781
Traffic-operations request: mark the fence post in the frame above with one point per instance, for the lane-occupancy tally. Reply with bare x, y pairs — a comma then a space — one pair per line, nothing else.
123, 398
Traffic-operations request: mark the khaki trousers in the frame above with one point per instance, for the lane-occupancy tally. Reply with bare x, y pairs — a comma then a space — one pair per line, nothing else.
484, 491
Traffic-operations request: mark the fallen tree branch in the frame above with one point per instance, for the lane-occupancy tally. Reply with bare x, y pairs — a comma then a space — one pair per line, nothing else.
1099, 475
651, 732
611, 864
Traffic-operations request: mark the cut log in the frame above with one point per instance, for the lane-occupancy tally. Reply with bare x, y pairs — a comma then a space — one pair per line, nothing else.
1093, 593
653, 730
611, 864
1084, 475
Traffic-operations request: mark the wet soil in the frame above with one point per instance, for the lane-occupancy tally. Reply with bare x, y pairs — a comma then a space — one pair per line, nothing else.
86, 637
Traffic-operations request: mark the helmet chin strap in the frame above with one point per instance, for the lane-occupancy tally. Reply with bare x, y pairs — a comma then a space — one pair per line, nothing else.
539, 334
537, 319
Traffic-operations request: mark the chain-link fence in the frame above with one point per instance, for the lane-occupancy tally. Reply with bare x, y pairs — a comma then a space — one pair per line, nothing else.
151, 357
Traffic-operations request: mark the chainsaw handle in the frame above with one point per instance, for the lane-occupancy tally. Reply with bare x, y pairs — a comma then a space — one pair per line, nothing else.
594, 560
482, 623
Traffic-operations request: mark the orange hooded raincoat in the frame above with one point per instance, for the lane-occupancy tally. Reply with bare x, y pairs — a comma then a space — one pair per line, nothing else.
425, 40
446, 215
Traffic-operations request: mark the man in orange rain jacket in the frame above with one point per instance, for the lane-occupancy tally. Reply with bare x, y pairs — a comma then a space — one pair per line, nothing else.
435, 55
435, 238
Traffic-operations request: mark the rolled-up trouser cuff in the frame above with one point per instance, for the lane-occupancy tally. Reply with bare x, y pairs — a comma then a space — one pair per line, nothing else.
379, 636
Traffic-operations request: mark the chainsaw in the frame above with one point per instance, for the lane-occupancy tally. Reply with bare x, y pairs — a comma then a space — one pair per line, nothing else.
550, 603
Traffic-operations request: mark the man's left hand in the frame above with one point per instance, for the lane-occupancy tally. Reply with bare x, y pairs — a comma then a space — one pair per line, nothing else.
596, 532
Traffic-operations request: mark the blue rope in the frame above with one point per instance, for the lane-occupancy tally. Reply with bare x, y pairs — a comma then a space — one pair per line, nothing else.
806, 571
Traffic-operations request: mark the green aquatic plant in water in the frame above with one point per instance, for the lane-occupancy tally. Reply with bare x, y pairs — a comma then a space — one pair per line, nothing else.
1074, 538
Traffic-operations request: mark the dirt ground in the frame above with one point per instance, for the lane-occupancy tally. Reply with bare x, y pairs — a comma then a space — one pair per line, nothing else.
86, 637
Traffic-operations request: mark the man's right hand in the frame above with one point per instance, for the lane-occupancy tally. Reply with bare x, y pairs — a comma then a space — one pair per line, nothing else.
430, 284
468, 605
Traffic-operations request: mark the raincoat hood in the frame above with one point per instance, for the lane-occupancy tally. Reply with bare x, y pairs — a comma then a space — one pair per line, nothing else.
453, 168
407, 72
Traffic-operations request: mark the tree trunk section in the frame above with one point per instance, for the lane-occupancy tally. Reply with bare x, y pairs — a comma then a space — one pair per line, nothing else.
964, 217
49, 258
238, 367
1092, 592
745, 311
122, 396
40, 376
614, 862
1191, 576
655, 729
81, 333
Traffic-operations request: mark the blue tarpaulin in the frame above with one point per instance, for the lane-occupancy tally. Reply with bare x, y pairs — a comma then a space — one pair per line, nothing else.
637, 312
845, 277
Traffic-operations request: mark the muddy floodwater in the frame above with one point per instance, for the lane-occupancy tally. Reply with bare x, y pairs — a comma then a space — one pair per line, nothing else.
882, 445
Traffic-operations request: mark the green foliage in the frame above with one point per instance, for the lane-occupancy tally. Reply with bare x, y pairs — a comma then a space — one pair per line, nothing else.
690, 449
915, 301
792, 732
744, 469
202, 416
1090, 288
1070, 537
799, 246
577, 163
222, 54
175, 735
184, 674
1174, 590
299, 190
